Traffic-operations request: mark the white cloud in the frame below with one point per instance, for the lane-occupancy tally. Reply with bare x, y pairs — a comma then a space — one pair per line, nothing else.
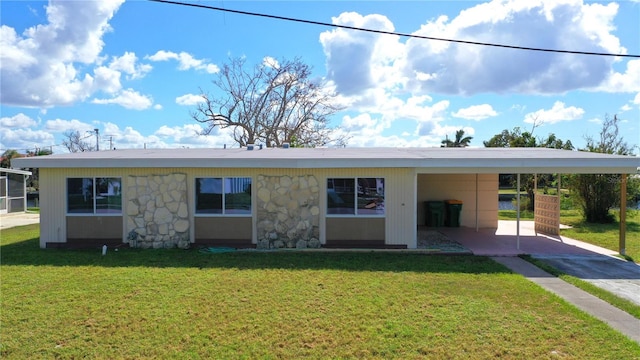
476, 112
127, 63
185, 60
60, 125
38, 67
636, 100
622, 82
17, 121
130, 138
189, 99
431, 116
129, 99
358, 62
449, 131
20, 139
471, 69
188, 135
107, 79
559, 112
625, 107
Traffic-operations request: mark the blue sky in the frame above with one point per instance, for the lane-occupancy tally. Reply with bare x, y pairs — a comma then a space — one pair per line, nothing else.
134, 69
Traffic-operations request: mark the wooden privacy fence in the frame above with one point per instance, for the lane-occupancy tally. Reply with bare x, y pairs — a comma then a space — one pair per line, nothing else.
547, 214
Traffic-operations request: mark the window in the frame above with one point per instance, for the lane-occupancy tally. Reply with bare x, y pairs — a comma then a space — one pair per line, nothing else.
229, 196
94, 196
359, 196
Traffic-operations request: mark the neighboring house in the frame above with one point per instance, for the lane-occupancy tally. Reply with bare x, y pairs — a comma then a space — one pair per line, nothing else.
13, 190
277, 197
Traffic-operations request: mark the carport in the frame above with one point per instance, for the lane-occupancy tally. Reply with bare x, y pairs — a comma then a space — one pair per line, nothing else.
474, 180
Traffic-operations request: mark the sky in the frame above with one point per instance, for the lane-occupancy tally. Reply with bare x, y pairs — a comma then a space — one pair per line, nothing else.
134, 70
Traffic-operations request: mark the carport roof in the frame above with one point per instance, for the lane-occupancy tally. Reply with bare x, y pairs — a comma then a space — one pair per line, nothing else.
15, 171
424, 160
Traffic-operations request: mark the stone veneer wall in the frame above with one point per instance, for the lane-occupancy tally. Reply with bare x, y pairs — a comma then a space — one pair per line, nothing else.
288, 210
157, 211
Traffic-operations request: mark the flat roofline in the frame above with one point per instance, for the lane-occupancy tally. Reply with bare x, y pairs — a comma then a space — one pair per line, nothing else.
451, 160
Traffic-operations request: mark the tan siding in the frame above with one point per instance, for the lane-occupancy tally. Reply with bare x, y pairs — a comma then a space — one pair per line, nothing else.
94, 227
437, 187
222, 228
361, 229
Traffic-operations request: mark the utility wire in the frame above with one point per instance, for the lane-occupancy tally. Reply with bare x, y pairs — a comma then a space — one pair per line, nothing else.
391, 32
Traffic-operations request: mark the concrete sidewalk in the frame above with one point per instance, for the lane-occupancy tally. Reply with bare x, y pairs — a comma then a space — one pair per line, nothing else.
600, 309
18, 219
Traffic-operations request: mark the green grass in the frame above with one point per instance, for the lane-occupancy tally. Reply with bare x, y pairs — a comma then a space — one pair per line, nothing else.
247, 305
512, 215
604, 235
622, 304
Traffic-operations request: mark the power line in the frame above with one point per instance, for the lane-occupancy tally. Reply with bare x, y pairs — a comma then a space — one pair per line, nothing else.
391, 32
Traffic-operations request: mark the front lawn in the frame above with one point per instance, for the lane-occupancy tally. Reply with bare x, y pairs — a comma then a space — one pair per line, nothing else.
256, 305
604, 235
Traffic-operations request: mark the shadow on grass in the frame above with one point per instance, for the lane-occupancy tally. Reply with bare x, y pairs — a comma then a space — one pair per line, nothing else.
28, 253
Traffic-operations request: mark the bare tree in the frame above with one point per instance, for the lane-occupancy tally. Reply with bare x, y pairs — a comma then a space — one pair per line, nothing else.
273, 103
75, 142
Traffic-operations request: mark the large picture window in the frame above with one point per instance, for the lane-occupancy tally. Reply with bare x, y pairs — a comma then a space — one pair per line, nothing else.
94, 195
228, 196
355, 196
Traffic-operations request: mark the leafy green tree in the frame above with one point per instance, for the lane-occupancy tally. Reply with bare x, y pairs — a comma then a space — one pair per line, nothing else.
517, 138
7, 156
598, 193
460, 140
33, 181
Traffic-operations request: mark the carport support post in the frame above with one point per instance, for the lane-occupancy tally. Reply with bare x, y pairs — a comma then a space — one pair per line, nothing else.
518, 213
623, 213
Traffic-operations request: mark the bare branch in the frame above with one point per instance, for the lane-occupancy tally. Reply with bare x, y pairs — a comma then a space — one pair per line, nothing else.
271, 103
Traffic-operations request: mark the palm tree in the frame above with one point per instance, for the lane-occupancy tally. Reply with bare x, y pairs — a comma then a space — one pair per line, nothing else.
460, 141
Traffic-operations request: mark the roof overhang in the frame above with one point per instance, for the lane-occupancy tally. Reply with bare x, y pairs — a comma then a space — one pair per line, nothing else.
423, 160
16, 171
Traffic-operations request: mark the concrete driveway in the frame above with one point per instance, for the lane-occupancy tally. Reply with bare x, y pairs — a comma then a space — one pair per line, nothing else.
588, 262
610, 273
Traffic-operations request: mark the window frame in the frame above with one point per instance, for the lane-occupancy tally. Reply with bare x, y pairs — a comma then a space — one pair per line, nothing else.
94, 201
223, 209
356, 209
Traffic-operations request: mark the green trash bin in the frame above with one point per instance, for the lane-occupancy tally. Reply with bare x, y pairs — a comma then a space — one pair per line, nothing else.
434, 211
454, 208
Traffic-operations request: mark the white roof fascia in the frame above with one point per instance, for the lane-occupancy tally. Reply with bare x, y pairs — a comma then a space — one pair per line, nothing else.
16, 171
425, 160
